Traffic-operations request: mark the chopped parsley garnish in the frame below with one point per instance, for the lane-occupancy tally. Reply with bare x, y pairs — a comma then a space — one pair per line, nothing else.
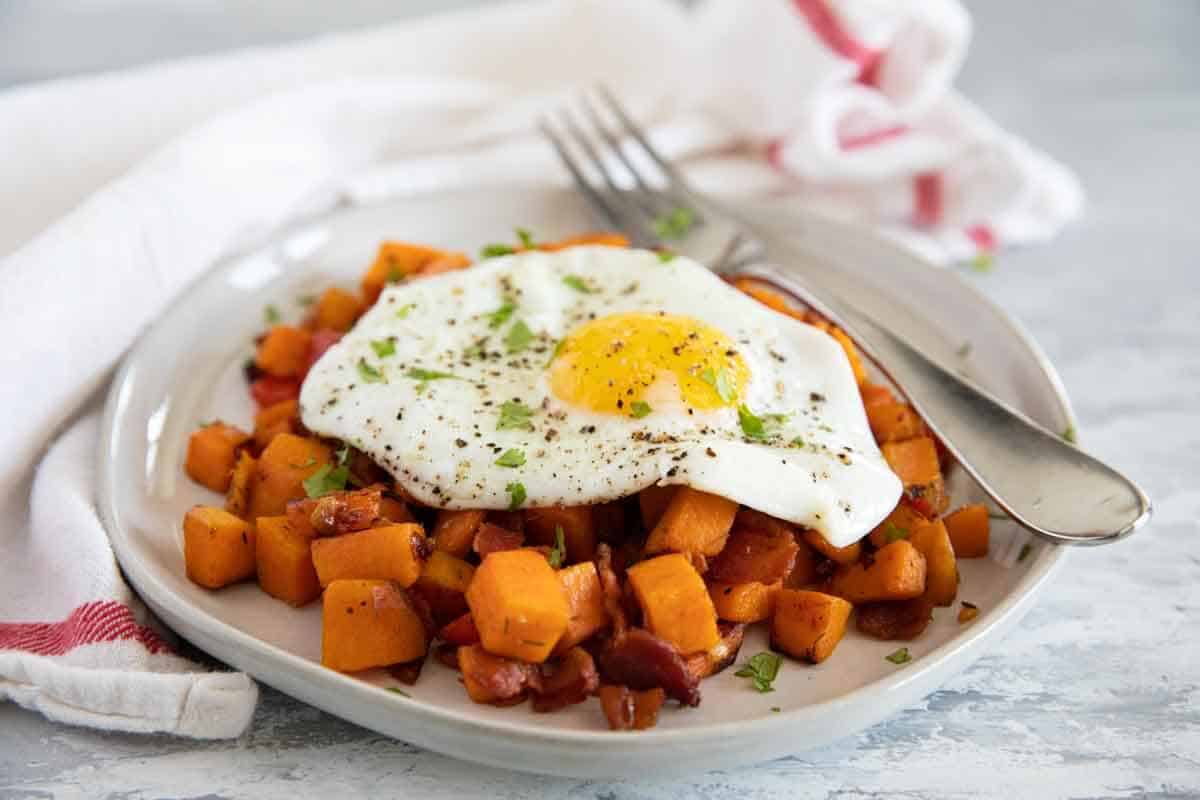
403, 311
526, 238
640, 408
560, 548
964, 350
982, 262
720, 381
518, 338
798, 441
369, 373
752, 426
1026, 549
558, 348
776, 709
666, 255
326, 479
383, 347
516, 495
511, 458
1069, 434
675, 223
514, 415
900, 656
578, 284
418, 374
271, 315
496, 250
894, 533
306, 299
396, 276
501, 314
399, 691
761, 670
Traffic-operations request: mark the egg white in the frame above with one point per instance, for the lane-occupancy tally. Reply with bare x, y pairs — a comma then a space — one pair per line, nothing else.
439, 438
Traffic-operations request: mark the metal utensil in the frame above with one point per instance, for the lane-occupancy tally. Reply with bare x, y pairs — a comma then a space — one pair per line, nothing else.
1046, 484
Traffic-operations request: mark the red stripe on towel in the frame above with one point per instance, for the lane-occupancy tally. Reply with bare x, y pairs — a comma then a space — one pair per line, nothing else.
873, 138
833, 34
927, 199
983, 237
99, 621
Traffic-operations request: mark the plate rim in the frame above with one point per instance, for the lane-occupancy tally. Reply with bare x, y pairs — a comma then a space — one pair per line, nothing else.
245, 652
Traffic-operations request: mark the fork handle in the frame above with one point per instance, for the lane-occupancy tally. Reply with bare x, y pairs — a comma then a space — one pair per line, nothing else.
1044, 483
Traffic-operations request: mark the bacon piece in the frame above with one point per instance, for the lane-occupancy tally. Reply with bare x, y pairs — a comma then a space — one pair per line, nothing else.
447, 655
345, 512
895, 619
493, 679
461, 631
629, 710
408, 672
753, 556
572, 681
721, 655
491, 538
641, 660
613, 596
267, 390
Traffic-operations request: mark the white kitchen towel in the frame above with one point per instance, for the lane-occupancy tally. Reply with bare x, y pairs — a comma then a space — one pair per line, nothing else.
122, 188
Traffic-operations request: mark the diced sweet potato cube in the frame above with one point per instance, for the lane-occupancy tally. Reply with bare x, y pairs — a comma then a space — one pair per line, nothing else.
895, 572
694, 522
237, 499
851, 351
969, 529
397, 261
603, 238
218, 548
285, 565
743, 602
675, 602
283, 352
915, 462
754, 555
518, 604
841, 555
579, 530
941, 568
450, 262
585, 604
282, 417
393, 510
652, 502
443, 584
337, 310
873, 395
212, 453
394, 552
281, 471
369, 623
899, 524
454, 531
894, 422
808, 625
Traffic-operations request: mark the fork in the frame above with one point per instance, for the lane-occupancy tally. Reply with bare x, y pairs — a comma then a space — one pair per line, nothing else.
1044, 483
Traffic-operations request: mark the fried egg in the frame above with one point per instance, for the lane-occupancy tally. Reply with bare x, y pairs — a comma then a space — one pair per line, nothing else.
586, 375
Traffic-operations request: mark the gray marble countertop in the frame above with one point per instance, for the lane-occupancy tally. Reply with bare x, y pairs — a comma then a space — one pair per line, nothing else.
1097, 694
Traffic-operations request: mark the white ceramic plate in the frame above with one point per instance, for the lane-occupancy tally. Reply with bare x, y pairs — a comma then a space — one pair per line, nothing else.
186, 369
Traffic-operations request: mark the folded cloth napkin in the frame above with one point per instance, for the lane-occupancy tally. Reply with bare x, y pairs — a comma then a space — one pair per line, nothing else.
844, 106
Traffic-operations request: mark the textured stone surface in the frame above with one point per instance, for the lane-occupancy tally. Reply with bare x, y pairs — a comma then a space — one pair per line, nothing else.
1098, 693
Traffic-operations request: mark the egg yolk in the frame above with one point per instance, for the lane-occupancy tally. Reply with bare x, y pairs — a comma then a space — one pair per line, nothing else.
607, 365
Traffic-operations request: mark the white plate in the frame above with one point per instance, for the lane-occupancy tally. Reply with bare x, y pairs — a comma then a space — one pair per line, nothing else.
186, 369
